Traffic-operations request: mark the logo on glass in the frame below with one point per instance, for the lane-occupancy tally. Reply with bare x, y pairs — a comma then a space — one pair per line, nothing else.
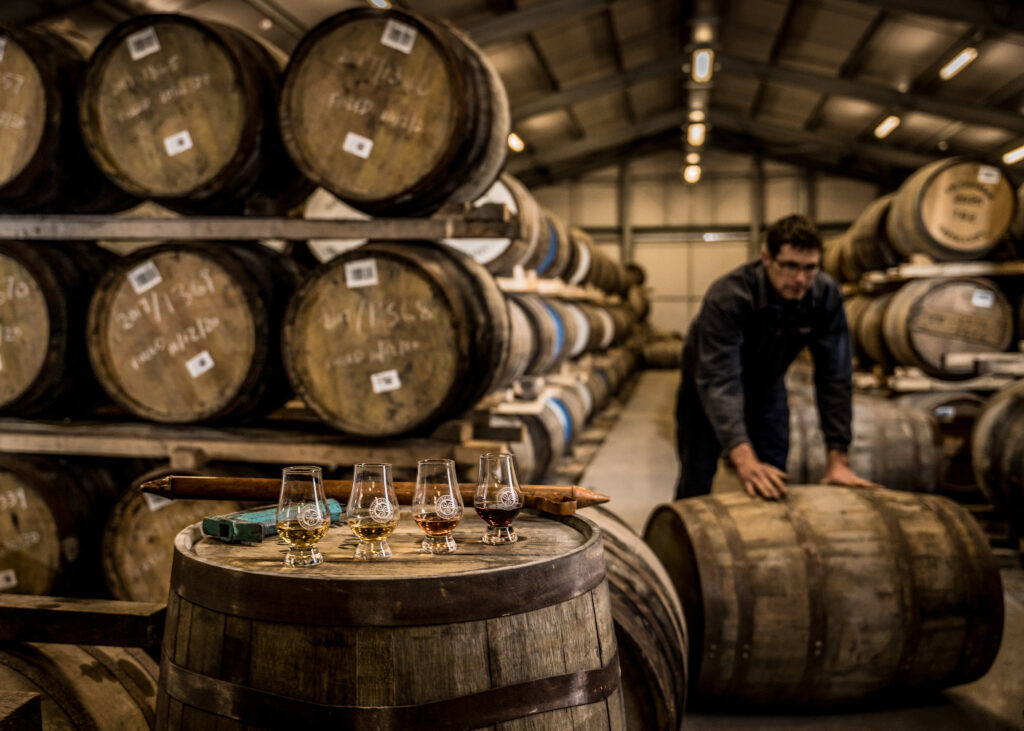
508, 498
309, 517
446, 507
381, 510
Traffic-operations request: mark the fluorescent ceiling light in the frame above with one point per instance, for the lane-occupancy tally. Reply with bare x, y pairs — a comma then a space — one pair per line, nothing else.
887, 125
695, 134
691, 173
1014, 155
702, 65
515, 142
958, 63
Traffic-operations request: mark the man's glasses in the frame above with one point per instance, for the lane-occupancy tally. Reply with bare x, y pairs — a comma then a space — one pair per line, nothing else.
792, 267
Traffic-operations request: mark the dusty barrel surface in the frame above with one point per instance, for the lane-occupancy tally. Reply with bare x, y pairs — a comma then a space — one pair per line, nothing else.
393, 337
84, 686
186, 333
951, 209
895, 447
867, 248
928, 318
184, 112
830, 597
997, 452
50, 517
521, 637
44, 166
393, 113
650, 628
44, 296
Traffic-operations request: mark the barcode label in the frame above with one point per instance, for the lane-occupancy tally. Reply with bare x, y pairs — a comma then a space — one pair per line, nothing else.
361, 273
144, 277
155, 502
983, 298
3, 47
988, 174
8, 579
358, 145
386, 381
398, 36
178, 143
199, 364
142, 44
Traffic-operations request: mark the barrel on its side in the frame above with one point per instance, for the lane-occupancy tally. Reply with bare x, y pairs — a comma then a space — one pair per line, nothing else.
184, 112
650, 628
393, 113
183, 333
830, 597
951, 209
955, 413
928, 318
84, 686
482, 638
997, 450
869, 333
867, 248
558, 247
394, 337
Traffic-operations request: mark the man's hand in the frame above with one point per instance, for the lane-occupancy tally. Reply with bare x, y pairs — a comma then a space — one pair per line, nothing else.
757, 477
838, 472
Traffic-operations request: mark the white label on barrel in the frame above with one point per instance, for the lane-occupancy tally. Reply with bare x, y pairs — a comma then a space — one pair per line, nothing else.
357, 145
983, 298
156, 502
142, 44
8, 579
483, 251
3, 47
945, 413
361, 273
178, 143
199, 364
988, 174
386, 381
144, 277
399, 36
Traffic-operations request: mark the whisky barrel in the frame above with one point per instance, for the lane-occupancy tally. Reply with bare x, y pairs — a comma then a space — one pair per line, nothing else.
951, 209
558, 249
955, 413
393, 113
529, 249
44, 296
650, 629
481, 638
84, 686
897, 448
139, 532
523, 344
1017, 227
928, 318
183, 111
394, 337
867, 248
554, 331
830, 258
323, 205
831, 597
998, 455
183, 332
663, 353
50, 511
44, 167
869, 333
854, 306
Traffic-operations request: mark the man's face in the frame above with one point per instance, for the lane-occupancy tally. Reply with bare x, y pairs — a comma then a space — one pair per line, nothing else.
792, 271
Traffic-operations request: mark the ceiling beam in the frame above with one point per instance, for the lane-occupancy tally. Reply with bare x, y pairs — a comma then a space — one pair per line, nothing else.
782, 34
1007, 15
529, 20
20, 12
608, 157
881, 95
669, 66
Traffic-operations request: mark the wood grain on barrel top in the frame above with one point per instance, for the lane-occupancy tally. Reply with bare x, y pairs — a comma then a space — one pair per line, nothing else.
24, 327
140, 111
143, 343
345, 82
22, 110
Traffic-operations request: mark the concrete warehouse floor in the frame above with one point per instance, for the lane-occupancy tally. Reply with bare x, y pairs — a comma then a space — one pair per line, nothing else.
636, 465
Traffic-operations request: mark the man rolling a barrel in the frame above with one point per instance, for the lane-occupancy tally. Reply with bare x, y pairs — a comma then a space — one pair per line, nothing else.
752, 324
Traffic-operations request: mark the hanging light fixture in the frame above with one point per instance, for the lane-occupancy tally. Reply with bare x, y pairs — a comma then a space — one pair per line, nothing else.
702, 65
886, 126
695, 134
958, 63
691, 173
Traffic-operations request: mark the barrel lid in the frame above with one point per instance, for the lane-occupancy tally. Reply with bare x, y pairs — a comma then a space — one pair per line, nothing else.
554, 561
23, 108
24, 328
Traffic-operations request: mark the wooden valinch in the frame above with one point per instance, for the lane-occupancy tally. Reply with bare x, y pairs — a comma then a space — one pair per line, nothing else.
552, 499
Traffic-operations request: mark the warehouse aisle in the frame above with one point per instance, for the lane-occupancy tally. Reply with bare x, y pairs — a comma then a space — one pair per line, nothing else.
636, 466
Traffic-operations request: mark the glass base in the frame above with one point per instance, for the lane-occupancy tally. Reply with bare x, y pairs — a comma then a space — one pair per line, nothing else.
372, 550
303, 557
499, 536
439, 544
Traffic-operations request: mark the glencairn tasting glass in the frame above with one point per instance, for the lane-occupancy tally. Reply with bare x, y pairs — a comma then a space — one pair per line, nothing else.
372, 510
302, 514
437, 504
498, 498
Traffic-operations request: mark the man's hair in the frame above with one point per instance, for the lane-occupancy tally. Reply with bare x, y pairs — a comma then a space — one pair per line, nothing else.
796, 230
